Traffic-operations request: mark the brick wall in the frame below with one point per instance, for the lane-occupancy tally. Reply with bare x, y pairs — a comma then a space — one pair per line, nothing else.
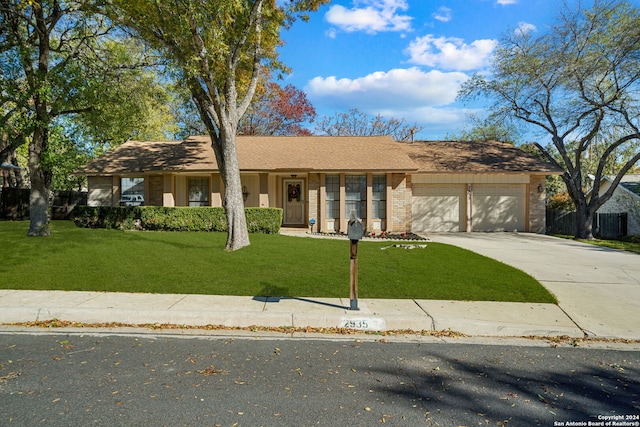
400, 216
537, 205
313, 202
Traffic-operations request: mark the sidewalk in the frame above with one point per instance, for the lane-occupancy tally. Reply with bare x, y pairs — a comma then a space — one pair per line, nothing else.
470, 318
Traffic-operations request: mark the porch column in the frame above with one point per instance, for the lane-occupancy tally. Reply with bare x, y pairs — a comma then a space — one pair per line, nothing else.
343, 205
388, 221
369, 209
469, 210
322, 210
115, 193
147, 189
264, 190
168, 193
216, 190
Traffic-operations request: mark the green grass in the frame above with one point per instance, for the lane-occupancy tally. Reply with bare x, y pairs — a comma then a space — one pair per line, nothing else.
273, 265
629, 244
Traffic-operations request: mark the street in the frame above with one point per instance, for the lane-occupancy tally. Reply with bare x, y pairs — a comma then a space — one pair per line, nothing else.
73, 379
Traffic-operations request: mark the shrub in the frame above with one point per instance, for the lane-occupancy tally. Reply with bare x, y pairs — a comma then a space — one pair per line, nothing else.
183, 219
123, 218
162, 218
561, 202
263, 220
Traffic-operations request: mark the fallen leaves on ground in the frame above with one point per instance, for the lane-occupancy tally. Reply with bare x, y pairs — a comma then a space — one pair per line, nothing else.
554, 341
56, 323
210, 370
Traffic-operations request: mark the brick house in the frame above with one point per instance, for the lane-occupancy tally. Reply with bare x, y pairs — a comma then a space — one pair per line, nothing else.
421, 187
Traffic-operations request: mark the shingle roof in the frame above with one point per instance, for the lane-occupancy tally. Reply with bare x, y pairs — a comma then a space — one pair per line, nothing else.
465, 157
631, 182
318, 153
258, 153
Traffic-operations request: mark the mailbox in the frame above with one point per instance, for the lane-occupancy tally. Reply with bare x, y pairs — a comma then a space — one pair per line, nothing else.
355, 229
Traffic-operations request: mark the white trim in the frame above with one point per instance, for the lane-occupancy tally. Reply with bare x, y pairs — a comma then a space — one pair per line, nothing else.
471, 178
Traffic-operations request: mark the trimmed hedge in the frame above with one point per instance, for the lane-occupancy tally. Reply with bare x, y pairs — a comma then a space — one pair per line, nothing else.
162, 218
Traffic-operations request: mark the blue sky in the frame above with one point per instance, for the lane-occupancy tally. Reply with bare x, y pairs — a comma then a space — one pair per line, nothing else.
403, 58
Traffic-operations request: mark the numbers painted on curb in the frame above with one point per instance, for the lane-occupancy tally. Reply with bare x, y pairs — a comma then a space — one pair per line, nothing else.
363, 323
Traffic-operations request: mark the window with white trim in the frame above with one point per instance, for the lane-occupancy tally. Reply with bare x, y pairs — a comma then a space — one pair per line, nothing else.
332, 187
356, 195
379, 197
132, 191
198, 191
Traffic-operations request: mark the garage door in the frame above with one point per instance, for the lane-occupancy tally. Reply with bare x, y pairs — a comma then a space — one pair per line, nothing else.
498, 207
437, 208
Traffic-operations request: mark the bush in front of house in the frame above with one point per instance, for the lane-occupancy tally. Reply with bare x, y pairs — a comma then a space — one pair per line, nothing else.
162, 218
263, 220
123, 218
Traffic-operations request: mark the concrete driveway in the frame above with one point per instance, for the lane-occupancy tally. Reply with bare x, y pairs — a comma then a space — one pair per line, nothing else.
598, 288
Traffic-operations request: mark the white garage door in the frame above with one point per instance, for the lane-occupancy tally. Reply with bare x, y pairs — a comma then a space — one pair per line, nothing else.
498, 207
438, 208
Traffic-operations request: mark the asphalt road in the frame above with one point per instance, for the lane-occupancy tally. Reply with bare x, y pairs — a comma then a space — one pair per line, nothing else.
82, 380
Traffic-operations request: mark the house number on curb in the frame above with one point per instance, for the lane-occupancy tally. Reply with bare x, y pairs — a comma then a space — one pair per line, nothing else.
363, 323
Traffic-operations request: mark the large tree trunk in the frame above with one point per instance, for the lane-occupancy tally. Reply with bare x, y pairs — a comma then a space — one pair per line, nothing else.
238, 235
40, 183
584, 222
584, 212
39, 169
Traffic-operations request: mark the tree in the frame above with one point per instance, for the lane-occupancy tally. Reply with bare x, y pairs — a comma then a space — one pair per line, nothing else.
487, 130
43, 40
58, 61
274, 111
575, 84
356, 123
278, 111
218, 48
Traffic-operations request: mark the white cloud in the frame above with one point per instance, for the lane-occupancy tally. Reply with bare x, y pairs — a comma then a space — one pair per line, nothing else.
506, 2
371, 16
443, 14
398, 88
525, 28
450, 53
444, 119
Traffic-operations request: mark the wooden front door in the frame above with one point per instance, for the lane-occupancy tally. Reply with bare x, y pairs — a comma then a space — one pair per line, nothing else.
293, 193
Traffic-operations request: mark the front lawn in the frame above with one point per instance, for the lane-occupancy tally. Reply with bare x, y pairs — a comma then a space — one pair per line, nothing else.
273, 265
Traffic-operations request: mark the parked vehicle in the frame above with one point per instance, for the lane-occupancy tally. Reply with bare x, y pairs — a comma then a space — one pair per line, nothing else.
132, 200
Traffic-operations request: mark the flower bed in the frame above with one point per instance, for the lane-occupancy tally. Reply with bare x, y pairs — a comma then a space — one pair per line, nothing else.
375, 236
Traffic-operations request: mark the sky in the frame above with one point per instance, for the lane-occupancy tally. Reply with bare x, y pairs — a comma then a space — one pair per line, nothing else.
404, 58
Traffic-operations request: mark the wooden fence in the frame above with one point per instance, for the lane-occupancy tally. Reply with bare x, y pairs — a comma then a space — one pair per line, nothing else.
605, 225
14, 203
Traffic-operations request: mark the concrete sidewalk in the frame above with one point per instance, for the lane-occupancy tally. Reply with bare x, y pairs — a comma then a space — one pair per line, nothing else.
598, 291
471, 318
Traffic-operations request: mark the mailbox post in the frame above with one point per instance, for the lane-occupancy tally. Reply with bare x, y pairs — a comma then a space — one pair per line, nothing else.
355, 231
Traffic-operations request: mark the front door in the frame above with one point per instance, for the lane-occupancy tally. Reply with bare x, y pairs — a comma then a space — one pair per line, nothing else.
293, 193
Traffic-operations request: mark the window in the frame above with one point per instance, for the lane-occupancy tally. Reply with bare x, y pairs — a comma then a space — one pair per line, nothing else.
379, 201
199, 192
132, 191
356, 195
332, 185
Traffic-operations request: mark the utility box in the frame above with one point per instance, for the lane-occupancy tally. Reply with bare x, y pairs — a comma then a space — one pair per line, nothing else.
355, 229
